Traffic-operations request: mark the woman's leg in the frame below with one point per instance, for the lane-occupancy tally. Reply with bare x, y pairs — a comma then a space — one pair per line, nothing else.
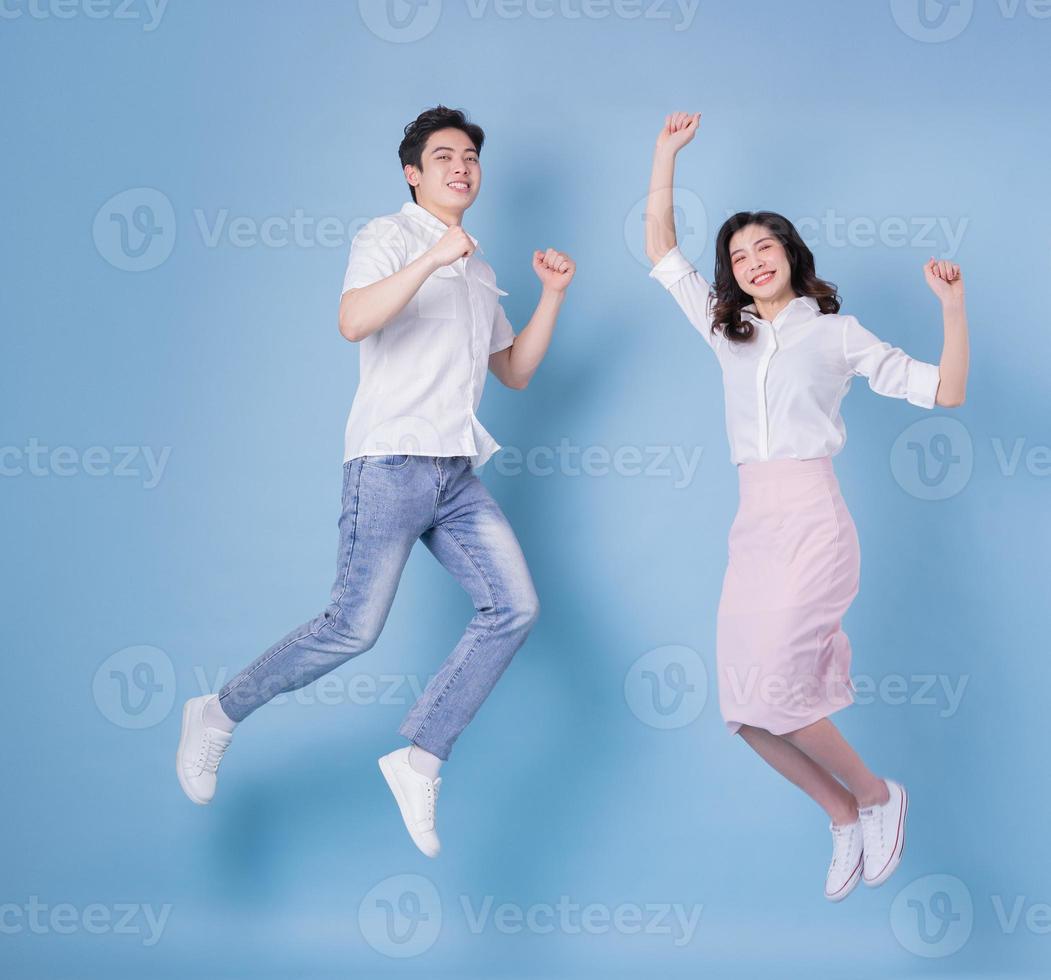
827, 748
797, 767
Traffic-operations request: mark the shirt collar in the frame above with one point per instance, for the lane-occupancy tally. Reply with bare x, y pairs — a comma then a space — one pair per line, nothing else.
797, 301
431, 222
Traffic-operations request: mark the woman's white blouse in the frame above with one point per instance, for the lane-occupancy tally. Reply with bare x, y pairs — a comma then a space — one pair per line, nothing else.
422, 374
784, 387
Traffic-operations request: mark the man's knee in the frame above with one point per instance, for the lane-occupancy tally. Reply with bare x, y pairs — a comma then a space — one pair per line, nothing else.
354, 634
525, 611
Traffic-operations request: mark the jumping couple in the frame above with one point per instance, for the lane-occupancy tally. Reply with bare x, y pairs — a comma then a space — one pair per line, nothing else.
425, 309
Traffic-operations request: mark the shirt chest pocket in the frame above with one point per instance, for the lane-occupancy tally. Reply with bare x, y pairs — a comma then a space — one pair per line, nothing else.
440, 297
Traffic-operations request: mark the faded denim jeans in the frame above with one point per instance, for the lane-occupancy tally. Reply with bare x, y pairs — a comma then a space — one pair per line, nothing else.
388, 503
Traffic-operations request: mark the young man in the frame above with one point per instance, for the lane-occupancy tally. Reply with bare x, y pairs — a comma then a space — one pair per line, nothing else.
425, 308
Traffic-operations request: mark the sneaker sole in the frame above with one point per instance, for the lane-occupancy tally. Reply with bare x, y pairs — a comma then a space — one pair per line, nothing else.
399, 798
178, 758
899, 850
850, 884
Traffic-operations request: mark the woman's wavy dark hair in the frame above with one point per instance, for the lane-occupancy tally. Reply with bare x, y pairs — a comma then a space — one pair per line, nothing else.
430, 121
730, 299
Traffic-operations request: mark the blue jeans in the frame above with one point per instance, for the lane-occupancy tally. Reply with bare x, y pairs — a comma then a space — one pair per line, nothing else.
388, 503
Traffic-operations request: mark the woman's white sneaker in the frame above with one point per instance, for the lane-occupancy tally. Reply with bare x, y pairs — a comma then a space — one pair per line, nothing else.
417, 798
844, 872
883, 827
201, 749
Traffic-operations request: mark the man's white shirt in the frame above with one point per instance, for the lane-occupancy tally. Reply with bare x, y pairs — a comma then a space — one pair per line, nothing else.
423, 373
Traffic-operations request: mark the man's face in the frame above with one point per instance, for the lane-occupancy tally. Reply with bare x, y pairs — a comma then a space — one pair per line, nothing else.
451, 174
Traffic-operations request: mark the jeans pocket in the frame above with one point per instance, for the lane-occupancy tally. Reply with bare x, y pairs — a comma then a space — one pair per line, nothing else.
389, 462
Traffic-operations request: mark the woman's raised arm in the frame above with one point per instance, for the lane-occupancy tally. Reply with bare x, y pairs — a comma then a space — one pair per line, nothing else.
679, 128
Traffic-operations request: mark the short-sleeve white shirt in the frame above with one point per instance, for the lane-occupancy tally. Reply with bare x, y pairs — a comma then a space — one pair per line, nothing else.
784, 387
423, 373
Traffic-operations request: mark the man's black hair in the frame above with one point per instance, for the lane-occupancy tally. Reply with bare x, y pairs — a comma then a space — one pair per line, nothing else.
430, 121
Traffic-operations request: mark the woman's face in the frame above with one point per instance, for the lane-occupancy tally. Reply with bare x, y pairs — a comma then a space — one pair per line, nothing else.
760, 263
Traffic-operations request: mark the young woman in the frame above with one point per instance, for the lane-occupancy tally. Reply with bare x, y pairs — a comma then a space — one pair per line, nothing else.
787, 357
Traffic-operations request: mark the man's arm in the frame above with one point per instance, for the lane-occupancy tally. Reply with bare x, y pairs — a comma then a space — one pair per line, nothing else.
516, 365
366, 309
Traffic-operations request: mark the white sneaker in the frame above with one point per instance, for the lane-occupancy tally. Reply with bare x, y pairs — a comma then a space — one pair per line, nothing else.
201, 750
883, 827
844, 872
417, 798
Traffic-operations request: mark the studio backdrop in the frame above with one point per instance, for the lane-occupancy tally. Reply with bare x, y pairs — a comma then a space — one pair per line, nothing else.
182, 181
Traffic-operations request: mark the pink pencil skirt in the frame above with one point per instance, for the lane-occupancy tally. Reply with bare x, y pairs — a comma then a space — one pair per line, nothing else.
793, 570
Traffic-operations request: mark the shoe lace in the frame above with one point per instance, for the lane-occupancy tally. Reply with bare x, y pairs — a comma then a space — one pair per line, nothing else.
213, 745
840, 846
432, 796
871, 824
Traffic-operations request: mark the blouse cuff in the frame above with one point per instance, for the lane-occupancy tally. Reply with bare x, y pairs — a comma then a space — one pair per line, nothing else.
672, 267
922, 383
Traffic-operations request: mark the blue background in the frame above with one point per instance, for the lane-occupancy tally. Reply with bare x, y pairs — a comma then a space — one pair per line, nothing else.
229, 358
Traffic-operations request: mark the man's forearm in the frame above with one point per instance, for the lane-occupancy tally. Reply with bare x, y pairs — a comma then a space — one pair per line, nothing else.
531, 344
364, 311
